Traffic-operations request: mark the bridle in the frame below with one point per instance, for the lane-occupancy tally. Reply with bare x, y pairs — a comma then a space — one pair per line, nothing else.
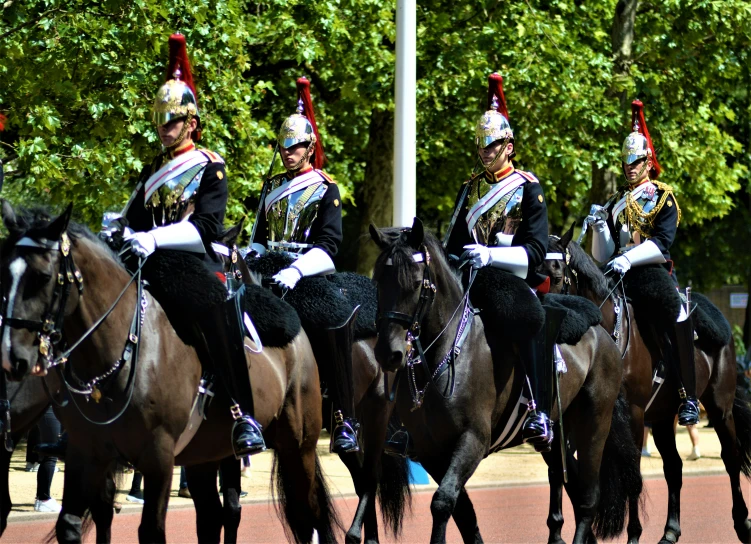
619, 301
49, 328
415, 353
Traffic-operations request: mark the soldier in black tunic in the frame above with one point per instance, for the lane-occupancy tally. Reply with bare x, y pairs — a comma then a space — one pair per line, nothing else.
636, 228
179, 204
300, 216
500, 220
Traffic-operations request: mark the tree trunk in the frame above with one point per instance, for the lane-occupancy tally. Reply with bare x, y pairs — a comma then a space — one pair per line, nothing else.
375, 195
604, 182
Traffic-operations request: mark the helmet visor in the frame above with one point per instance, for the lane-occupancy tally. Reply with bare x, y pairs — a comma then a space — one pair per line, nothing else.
161, 118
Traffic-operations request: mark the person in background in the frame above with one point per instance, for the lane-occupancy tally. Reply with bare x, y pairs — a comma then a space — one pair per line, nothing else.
48, 430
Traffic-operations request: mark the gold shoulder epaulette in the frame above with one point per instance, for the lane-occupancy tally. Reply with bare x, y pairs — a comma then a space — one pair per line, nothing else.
325, 176
644, 221
667, 192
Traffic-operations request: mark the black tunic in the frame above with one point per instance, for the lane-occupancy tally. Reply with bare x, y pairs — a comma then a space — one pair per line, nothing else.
532, 233
665, 224
326, 230
210, 203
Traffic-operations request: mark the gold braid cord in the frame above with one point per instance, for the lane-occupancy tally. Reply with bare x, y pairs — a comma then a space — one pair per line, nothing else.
643, 222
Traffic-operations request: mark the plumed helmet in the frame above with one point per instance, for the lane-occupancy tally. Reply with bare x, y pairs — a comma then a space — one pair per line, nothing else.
301, 127
494, 125
176, 98
638, 144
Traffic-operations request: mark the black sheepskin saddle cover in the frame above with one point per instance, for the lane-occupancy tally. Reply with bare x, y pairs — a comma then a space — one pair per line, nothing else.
581, 314
325, 302
186, 289
654, 297
711, 326
508, 307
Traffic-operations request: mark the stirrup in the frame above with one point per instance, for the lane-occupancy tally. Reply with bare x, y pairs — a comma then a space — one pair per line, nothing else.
344, 435
538, 431
688, 411
398, 444
247, 437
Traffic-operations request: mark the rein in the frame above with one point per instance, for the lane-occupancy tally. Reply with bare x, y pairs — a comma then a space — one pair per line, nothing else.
415, 353
50, 333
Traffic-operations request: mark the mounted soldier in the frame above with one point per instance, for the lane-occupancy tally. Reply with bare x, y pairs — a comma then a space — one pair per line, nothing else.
634, 230
299, 224
179, 205
500, 221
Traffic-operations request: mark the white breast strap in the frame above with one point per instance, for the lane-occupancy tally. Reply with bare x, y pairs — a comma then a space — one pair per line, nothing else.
417, 257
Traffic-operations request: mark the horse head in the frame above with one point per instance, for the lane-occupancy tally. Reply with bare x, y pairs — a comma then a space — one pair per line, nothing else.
556, 264
409, 272
37, 270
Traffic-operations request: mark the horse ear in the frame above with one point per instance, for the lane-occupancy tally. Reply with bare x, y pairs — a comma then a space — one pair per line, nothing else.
568, 236
60, 224
417, 234
9, 217
377, 236
229, 236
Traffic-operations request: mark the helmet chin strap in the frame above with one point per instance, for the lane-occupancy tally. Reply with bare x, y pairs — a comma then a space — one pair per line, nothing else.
298, 165
497, 156
180, 137
639, 175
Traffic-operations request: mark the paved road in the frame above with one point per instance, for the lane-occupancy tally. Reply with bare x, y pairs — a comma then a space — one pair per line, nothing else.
510, 514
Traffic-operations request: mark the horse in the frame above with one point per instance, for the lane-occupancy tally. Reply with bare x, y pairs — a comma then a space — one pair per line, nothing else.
373, 474
147, 394
574, 272
466, 403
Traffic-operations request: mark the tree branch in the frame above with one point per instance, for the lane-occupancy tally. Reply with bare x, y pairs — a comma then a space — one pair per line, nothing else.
29, 23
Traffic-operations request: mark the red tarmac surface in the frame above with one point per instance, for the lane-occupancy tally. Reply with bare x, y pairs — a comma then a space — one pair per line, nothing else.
508, 514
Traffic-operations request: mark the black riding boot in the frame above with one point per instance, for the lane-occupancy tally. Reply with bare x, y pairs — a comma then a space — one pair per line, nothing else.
682, 340
539, 365
339, 343
223, 330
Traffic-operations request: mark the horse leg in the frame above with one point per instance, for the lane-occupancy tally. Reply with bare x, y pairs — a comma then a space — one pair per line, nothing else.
156, 464
352, 462
634, 528
672, 467
5, 502
202, 486
230, 468
68, 526
731, 457
101, 504
466, 518
464, 461
555, 480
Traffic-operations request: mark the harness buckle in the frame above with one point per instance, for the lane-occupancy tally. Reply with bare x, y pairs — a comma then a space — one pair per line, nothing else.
236, 412
133, 338
60, 278
64, 244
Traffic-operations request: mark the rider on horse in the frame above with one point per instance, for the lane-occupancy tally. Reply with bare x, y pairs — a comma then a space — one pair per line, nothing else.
179, 204
300, 216
636, 227
500, 220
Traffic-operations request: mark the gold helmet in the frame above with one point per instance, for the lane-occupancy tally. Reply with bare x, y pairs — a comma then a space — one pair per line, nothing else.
638, 144
176, 98
301, 127
494, 125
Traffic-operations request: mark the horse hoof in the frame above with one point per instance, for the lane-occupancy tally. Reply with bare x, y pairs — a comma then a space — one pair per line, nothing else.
559, 540
633, 541
743, 530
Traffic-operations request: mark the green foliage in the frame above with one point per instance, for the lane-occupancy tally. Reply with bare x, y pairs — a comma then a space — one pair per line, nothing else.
740, 347
78, 78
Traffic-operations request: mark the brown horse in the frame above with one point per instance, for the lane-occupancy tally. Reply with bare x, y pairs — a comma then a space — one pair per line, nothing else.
454, 428
145, 393
575, 273
373, 473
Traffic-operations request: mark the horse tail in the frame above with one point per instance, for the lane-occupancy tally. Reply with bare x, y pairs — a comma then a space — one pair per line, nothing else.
299, 521
394, 492
742, 418
620, 477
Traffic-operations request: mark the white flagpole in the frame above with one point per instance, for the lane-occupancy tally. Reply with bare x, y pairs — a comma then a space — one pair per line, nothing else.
405, 121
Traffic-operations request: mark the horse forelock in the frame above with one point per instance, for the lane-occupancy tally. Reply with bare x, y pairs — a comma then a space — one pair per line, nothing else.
589, 276
401, 253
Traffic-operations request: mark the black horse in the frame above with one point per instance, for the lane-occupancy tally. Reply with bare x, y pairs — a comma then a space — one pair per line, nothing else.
574, 272
459, 408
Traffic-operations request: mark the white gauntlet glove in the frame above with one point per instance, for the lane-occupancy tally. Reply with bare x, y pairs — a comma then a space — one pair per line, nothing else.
314, 263
182, 236
142, 244
621, 264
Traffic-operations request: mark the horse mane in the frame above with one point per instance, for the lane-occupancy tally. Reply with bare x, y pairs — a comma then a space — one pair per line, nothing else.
400, 252
589, 276
34, 220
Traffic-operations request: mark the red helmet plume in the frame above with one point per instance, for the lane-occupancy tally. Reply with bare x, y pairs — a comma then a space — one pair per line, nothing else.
495, 90
639, 124
2, 121
178, 60
303, 91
